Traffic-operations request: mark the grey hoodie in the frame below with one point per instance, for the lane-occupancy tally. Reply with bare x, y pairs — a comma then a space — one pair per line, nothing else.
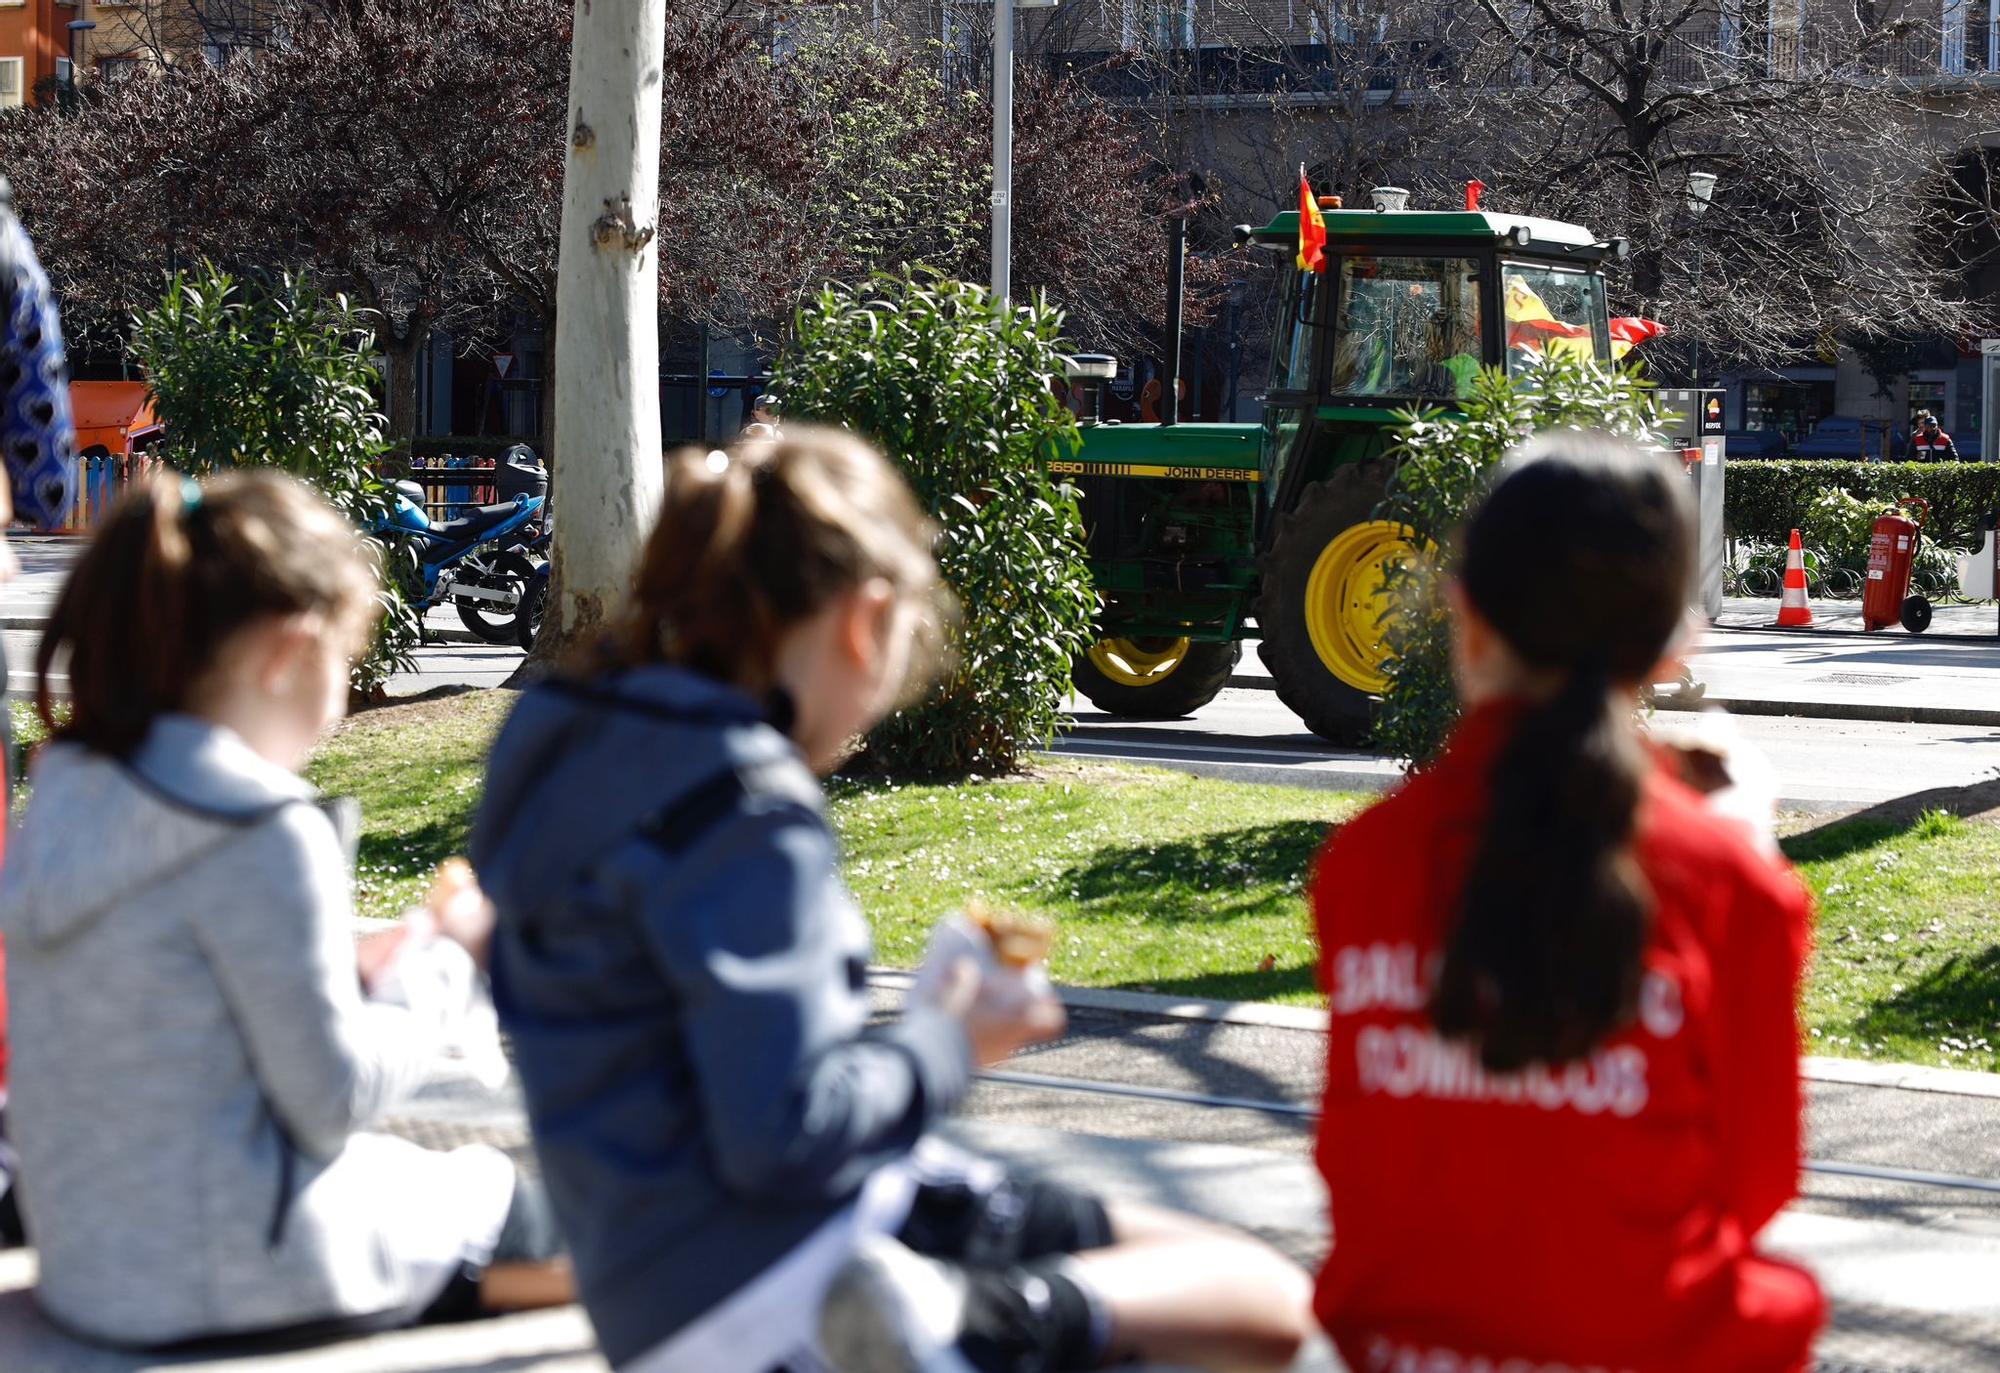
683, 978
192, 1058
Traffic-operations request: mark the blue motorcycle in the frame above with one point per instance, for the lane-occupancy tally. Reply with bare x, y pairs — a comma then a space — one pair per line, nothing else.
480, 562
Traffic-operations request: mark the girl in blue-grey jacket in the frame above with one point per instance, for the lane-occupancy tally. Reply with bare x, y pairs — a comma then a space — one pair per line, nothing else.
740, 1160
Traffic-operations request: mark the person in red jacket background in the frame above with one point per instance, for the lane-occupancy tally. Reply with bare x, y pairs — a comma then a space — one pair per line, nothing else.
1562, 1087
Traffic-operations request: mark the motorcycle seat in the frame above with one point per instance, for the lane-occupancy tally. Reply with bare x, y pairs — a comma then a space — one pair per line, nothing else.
409, 491
475, 522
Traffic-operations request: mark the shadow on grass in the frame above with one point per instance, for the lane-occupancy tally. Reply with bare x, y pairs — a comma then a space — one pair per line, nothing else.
1961, 996
1214, 872
1887, 819
1290, 982
422, 847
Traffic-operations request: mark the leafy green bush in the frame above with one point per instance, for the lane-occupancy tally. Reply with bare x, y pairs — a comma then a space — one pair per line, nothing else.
1767, 500
1444, 462
958, 393
278, 374
1840, 524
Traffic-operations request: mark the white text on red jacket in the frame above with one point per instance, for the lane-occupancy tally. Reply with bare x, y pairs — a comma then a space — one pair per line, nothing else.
1387, 1356
1411, 1060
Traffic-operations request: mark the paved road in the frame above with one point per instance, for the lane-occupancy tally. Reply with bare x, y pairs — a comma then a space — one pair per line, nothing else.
1821, 764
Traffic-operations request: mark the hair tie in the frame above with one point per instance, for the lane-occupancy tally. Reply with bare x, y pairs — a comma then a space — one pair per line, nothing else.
191, 496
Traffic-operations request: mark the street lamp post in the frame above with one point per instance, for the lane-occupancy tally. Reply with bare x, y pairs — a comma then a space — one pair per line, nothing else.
1003, 141
76, 27
1700, 191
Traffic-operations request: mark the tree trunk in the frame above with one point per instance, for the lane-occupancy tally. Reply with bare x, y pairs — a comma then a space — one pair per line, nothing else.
404, 357
606, 440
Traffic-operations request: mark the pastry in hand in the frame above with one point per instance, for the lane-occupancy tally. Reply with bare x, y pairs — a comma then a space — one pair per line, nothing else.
1019, 940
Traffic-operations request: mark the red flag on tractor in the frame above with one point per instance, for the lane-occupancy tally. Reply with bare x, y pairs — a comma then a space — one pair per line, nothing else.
1312, 228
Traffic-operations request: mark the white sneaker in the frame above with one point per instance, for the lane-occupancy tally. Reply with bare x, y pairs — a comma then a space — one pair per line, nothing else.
891, 1310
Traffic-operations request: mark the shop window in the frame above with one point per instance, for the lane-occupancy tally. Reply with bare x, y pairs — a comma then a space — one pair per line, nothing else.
1791, 408
1928, 395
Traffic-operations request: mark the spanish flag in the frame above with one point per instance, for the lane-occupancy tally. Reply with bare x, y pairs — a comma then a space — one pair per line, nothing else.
1312, 228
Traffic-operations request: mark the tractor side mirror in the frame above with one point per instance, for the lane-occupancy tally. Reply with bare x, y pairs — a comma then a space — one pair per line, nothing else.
1302, 310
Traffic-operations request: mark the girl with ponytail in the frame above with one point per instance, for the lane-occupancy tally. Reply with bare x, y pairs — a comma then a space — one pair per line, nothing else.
743, 1163
199, 1049
1562, 1089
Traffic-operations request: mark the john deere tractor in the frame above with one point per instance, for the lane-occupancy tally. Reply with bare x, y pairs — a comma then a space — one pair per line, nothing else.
1204, 535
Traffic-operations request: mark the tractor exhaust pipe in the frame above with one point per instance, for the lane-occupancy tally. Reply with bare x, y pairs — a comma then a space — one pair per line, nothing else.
1170, 390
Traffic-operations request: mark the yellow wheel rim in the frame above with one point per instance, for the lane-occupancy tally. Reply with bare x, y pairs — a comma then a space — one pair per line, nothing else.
1138, 662
1345, 601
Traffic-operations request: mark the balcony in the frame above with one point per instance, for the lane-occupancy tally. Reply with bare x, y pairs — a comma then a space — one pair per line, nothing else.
1384, 70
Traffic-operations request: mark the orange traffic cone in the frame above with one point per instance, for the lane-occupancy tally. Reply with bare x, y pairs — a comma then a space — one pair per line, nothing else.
1793, 612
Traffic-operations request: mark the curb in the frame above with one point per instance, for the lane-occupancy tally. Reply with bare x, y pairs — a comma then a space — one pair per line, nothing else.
1852, 1072
1805, 710
1841, 710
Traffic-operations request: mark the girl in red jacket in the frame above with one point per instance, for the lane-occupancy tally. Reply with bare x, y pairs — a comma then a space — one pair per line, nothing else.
1562, 1091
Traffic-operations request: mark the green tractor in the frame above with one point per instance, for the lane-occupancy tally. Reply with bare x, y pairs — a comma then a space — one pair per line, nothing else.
1203, 535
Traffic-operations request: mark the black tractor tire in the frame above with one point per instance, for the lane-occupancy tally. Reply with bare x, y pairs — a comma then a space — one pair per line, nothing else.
500, 628
1916, 614
1201, 673
1337, 711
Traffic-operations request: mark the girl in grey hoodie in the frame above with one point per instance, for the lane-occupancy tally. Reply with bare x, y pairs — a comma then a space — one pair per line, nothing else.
195, 1061
743, 1164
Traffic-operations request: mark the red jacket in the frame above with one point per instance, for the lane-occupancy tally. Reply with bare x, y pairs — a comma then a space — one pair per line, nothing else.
1598, 1216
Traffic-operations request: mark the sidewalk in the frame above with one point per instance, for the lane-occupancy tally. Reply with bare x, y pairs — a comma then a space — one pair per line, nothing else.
1914, 1274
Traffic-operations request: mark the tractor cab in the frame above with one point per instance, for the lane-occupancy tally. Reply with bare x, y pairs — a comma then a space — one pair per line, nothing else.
1411, 305
1204, 535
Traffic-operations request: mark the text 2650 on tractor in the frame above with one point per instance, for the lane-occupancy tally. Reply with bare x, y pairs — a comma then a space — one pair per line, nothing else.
1203, 535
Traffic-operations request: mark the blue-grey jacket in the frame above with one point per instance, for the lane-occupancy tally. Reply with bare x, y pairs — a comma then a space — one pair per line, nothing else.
682, 975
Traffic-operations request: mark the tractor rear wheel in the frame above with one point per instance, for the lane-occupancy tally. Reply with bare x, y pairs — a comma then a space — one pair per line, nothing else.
1153, 678
1322, 603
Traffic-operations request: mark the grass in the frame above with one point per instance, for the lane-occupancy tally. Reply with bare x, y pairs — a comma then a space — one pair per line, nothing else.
417, 771
1907, 967
1178, 884
1157, 881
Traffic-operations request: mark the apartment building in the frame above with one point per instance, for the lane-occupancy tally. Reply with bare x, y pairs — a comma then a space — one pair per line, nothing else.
34, 46
131, 36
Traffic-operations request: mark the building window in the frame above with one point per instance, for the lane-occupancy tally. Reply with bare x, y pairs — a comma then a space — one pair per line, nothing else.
1160, 23
111, 70
11, 95
225, 49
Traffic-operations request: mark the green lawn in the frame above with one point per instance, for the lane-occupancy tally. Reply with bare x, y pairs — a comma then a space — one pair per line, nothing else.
1164, 882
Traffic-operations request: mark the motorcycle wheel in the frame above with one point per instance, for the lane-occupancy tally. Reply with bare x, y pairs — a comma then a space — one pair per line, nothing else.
528, 624
512, 570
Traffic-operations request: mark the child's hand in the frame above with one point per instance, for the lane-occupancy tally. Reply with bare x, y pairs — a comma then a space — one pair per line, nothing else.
998, 1017
373, 953
461, 909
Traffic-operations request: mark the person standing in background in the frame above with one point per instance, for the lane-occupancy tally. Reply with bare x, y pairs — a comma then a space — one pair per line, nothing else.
1930, 443
37, 442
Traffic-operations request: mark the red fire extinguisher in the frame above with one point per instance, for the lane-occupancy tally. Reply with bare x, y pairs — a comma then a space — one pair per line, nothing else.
1892, 551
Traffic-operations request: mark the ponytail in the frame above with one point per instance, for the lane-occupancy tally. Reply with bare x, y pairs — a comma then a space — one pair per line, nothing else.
170, 575
1544, 962
1581, 560
753, 539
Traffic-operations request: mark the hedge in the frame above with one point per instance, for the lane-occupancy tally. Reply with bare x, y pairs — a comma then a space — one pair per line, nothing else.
1767, 500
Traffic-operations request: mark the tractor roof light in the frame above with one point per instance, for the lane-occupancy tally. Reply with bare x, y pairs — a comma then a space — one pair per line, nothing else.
1619, 248
1520, 235
1389, 199
1091, 367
